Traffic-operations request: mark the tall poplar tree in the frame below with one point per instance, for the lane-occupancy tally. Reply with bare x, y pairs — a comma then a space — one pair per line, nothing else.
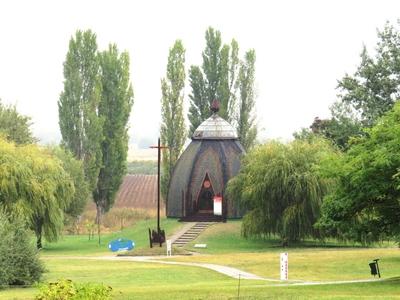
79, 122
114, 108
173, 131
216, 79
246, 127
226, 78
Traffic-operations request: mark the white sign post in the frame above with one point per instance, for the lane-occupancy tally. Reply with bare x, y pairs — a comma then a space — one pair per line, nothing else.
169, 248
217, 205
284, 266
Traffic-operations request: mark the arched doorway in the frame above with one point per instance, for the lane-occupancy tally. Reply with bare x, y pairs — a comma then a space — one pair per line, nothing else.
205, 201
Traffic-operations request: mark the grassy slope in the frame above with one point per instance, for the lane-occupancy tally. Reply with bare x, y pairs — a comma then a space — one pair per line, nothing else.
131, 280
80, 244
330, 262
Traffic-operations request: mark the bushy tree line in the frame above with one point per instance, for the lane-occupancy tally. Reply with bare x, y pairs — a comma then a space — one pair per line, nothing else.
39, 187
37, 184
349, 190
365, 203
19, 259
281, 187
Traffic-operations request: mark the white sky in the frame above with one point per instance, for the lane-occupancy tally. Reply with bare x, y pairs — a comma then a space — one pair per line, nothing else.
302, 48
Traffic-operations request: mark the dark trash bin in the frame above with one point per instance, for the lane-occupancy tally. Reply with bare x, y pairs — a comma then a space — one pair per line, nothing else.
375, 268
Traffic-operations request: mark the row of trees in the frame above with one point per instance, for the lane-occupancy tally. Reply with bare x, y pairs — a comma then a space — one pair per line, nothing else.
340, 177
45, 184
222, 76
39, 188
40, 183
94, 110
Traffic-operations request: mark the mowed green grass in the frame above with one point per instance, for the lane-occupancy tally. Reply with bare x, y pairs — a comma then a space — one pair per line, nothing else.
317, 262
81, 245
134, 280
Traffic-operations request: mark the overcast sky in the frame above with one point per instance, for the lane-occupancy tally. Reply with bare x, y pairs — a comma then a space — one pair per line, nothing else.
302, 48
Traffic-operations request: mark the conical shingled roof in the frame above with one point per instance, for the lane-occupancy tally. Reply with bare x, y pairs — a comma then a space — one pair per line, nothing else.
213, 155
215, 128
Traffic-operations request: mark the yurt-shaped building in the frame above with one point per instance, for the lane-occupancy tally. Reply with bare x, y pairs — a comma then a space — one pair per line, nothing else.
198, 183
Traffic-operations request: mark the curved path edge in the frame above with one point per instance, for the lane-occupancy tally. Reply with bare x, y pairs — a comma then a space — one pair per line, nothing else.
228, 271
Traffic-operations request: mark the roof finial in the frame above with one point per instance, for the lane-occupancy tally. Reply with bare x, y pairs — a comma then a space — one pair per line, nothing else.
215, 106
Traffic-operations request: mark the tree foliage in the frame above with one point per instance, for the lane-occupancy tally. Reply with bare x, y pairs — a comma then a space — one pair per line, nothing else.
281, 188
246, 127
19, 259
216, 79
35, 185
74, 168
14, 126
94, 110
80, 124
365, 204
374, 88
226, 78
173, 131
340, 128
114, 109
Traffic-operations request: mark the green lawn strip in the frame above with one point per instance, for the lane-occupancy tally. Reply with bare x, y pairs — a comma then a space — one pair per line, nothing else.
133, 280
125, 277
310, 264
81, 245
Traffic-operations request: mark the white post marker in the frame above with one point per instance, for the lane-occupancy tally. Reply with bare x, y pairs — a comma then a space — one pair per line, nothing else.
284, 266
169, 248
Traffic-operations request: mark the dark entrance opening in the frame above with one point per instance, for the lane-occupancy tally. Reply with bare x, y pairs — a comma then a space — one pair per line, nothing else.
205, 202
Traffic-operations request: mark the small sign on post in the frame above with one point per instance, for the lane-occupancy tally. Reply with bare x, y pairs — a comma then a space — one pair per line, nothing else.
169, 248
218, 205
284, 266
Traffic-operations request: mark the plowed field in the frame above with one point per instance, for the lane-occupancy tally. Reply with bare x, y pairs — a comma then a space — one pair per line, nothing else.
137, 191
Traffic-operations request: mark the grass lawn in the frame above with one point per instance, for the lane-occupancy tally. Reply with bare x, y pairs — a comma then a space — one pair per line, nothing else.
134, 280
81, 245
315, 262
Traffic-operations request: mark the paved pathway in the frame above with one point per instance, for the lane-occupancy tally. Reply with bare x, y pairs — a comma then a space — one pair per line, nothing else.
228, 271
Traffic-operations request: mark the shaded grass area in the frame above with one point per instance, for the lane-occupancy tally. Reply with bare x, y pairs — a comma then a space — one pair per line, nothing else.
133, 280
226, 238
81, 245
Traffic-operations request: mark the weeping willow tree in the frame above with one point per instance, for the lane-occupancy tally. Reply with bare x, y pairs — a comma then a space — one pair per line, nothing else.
281, 188
34, 185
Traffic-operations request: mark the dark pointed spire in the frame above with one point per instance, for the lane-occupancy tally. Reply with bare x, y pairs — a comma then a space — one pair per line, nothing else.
215, 106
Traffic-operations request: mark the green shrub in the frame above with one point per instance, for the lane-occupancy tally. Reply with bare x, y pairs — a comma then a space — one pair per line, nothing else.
65, 289
19, 261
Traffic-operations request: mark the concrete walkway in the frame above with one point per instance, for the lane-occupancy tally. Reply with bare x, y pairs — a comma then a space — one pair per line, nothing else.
228, 271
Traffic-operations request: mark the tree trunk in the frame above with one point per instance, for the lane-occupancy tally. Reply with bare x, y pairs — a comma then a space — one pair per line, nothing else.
39, 241
98, 220
38, 232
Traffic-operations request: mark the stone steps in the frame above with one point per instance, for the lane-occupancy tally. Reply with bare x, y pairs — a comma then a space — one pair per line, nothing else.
192, 233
